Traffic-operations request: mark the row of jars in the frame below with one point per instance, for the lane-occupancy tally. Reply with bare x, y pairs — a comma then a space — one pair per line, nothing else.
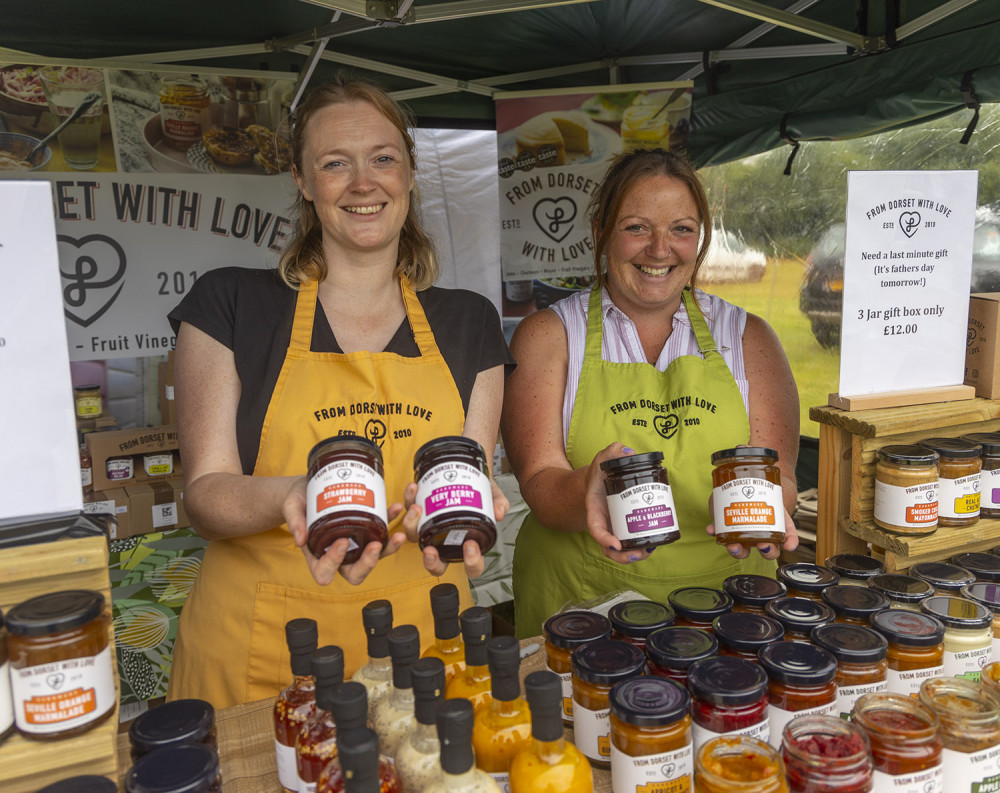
937, 482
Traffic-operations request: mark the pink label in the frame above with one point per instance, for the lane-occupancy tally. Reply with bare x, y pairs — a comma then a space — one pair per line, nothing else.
453, 496
649, 519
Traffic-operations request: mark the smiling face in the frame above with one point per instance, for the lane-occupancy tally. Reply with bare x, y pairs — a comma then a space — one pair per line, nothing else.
355, 170
654, 245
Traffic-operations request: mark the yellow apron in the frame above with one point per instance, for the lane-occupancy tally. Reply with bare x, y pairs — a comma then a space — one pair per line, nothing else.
231, 642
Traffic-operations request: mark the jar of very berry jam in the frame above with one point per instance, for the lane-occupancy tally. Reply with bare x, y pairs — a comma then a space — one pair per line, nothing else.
640, 502
824, 754
802, 680
905, 742
671, 651
564, 633
743, 635
862, 667
854, 569
728, 697
798, 616
958, 480
633, 620
946, 579
904, 591
989, 475
807, 580
698, 606
738, 764
751, 592
746, 496
854, 604
916, 648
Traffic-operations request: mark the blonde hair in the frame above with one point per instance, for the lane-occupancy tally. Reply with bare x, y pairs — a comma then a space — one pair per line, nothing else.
302, 259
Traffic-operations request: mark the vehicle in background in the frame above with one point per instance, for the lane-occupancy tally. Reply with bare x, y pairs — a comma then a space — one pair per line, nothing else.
731, 260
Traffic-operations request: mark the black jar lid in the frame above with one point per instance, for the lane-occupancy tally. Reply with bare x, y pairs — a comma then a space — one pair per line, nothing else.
727, 680
799, 615
356, 440
984, 592
175, 722
749, 589
606, 661
984, 566
854, 566
747, 632
572, 629
454, 442
640, 618
854, 601
56, 612
86, 783
701, 604
174, 769
942, 575
806, 577
798, 664
990, 441
647, 458
908, 454
953, 448
743, 451
91, 387
679, 647
908, 627
649, 701
850, 644
901, 588
957, 612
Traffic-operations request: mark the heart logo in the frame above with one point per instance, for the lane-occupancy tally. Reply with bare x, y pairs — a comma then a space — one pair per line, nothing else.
647, 497
554, 216
375, 431
748, 491
666, 425
90, 267
55, 680
909, 222
344, 473
450, 476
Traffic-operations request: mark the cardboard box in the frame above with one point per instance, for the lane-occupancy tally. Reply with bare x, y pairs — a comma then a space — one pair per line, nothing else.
129, 443
165, 377
982, 351
112, 502
156, 506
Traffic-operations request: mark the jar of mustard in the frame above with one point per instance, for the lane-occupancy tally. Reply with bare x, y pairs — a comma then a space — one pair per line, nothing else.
989, 475
989, 595
906, 489
968, 634
958, 480
87, 399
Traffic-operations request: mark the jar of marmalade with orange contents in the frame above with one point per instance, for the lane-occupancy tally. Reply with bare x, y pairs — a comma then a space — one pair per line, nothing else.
746, 496
564, 633
738, 764
916, 648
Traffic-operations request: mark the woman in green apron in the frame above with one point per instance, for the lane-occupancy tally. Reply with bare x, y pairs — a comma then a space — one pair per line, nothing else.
641, 363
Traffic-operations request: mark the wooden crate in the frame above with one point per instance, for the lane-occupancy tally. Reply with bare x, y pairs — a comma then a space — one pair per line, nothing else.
82, 563
848, 443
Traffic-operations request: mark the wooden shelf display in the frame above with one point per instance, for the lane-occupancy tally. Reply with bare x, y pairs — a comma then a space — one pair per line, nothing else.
848, 443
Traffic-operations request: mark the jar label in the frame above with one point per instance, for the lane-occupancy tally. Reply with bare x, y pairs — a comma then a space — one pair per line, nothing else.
701, 735
305, 787
566, 678
184, 122
87, 476
503, 781
930, 780
975, 772
455, 537
996, 644
119, 469
88, 406
345, 485
989, 486
6, 702
959, 498
642, 510
748, 504
967, 663
848, 695
158, 464
51, 698
908, 682
779, 717
454, 487
666, 772
288, 775
592, 731
915, 506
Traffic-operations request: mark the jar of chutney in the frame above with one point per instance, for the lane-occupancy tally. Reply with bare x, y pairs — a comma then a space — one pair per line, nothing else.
958, 480
989, 474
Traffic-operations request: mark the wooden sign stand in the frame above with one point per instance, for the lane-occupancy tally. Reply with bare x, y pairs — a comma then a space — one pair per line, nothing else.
894, 399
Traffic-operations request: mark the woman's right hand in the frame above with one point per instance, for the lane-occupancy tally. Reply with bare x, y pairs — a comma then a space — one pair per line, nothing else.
596, 501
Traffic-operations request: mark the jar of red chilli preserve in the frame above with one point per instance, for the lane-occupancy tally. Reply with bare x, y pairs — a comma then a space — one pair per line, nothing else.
743, 635
802, 681
697, 606
905, 742
728, 697
824, 754
563, 634
854, 604
671, 651
798, 616
806, 580
861, 661
633, 620
751, 592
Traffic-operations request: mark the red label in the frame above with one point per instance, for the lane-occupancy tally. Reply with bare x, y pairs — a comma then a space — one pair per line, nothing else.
922, 513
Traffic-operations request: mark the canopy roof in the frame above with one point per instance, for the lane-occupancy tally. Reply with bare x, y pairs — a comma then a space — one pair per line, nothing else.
764, 72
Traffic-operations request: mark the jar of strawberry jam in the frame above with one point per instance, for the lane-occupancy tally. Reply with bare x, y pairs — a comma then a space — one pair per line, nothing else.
751, 592
905, 740
824, 754
671, 651
728, 697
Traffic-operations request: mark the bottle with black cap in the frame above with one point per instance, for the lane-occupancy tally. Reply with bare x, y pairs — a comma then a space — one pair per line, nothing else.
376, 674
296, 703
359, 768
418, 759
503, 725
316, 743
448, 644
393, 719
458, 763
473, 682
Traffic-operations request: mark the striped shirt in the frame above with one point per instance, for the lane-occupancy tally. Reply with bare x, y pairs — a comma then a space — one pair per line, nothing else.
622, 345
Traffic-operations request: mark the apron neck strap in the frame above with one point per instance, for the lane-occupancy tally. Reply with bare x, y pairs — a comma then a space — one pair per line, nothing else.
421, 328
595, 326
699, 325
305, 311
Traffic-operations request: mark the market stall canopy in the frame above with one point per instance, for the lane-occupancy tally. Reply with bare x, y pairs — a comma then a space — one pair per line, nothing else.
766, 73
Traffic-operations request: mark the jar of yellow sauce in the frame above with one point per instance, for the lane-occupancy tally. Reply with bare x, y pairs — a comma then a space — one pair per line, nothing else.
958, 480
185, 110
989, 595
968, 634
906, 489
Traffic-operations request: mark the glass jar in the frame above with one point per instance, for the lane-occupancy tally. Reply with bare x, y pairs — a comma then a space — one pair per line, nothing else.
61, 664
728, 697
947, 579
563, 634
743, 635
854, 569
862, 667
158, 464
6, 703
916, 648
854, 604
746, 496
455, 495
906, 489
171, 724
958, 480
185, 110
596, 668
738, 764
989, 475
904, 591
807, 580
906, 746
802, 680
968, 634
650, 735
824, 754
698, 606
671, 651
85, 783
989, 680
798, 616
345, 496
87, 401
120, 468
640, 502
970, 732
186, 768
751, 592
989, 596
984, 566
633, 620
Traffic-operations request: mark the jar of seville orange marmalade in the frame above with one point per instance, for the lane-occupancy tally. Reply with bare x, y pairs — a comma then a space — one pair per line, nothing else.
563, 634
738, 764
906, 489
185, 110
989, 475
640, 502
345, 495
751, 592
958, 480
746, 496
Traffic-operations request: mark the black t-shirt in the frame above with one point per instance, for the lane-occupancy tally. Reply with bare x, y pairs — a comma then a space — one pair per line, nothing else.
250, 312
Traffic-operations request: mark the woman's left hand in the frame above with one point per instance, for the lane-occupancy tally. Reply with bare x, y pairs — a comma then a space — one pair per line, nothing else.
767, 550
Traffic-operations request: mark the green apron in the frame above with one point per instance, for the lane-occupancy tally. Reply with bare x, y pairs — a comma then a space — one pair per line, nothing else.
690, 410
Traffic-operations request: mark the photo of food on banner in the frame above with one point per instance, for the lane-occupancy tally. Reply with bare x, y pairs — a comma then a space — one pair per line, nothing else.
553, 149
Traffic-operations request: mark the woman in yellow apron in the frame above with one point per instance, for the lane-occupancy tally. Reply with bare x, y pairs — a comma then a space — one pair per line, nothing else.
356, 264
640, 370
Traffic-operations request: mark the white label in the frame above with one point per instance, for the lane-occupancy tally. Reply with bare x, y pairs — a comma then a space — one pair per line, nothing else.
169, 393
909, 682
928, 781
62, 695
288, 776
592, 730
345, 485
975, 772
87, 476
164, 515
915, 506
119, 469
99, 507
566, 678
996, 647
748, 504
6, 702
158, 464
454, 487
959, 498
306, 787
455, 537
989, 486
779, 717
848, 695
967, 663
669, 772
642, 511
503, 781
700, 735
